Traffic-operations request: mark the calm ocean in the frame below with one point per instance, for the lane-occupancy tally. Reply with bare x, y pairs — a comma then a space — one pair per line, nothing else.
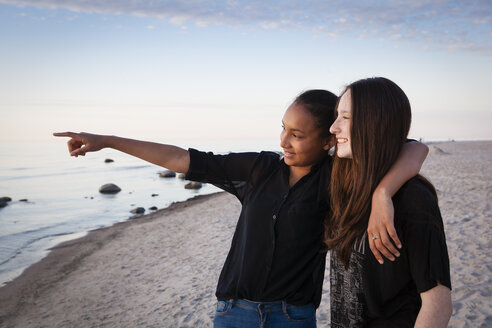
62, 195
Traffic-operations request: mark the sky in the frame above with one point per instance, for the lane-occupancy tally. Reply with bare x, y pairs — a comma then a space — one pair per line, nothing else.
169, 70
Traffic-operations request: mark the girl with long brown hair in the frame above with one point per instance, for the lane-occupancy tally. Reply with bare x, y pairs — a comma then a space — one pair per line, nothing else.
372, 124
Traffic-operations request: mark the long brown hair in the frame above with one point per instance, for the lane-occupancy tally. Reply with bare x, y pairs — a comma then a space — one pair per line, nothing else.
381, 119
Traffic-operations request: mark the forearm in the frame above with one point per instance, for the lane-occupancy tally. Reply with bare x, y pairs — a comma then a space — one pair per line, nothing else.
407, 165
171, 157
436, 308
381, 226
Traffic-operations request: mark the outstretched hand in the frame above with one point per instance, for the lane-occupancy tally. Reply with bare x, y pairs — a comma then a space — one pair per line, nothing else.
81, 143
381, 228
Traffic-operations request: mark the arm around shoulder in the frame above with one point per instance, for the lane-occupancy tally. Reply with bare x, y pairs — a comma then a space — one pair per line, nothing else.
436, 308
381, 222
407, 166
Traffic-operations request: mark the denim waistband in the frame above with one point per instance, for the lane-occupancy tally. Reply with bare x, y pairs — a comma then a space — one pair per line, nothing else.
265, 306
262, 306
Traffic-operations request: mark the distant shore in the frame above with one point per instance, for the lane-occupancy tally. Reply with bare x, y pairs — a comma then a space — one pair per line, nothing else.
161, 269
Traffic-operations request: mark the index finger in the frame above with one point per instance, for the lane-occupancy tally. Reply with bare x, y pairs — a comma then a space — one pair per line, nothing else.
65, 134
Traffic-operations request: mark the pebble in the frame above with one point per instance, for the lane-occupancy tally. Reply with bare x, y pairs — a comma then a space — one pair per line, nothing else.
167, 174
138, 210
109, 188
193, 185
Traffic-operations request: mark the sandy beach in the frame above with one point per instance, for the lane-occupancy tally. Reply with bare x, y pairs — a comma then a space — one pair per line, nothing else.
161, 270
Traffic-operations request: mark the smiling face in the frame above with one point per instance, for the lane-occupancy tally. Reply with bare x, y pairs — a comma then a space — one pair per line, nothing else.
301, 138
342, 126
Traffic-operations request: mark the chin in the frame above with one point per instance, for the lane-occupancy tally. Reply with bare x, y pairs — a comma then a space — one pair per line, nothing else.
288, 161
344, 155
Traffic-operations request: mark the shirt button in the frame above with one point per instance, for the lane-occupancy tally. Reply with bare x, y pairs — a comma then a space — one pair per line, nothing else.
274, 216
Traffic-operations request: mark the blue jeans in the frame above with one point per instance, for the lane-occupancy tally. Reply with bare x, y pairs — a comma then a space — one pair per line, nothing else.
246, 314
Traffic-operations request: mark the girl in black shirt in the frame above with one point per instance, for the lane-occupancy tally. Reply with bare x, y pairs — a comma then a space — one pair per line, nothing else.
274, 270
373, 120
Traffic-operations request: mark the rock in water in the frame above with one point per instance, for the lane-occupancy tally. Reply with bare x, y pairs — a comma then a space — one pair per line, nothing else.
109, 188
167, 174
6, 199
108, 160
3, 203
138, 210
153, 208
193, 185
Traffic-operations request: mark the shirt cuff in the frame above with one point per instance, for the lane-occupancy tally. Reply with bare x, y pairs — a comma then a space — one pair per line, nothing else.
197, 170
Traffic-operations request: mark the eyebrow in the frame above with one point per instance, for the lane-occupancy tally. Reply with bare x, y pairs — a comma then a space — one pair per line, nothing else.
292, 129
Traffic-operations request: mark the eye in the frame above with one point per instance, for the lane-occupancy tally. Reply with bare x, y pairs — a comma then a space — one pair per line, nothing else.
283, 127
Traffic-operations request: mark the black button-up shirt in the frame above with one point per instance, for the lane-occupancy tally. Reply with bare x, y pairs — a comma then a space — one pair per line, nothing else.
277, 249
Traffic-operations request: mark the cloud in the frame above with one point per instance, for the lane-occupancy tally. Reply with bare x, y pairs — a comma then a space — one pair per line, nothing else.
432, 23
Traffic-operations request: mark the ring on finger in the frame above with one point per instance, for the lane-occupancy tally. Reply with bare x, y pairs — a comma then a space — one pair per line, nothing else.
374, 237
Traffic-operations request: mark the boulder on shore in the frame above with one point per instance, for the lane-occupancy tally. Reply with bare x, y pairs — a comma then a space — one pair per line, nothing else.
193, 185
138, 210
181, 176
153, 208
6, 199
109, 188
167, 174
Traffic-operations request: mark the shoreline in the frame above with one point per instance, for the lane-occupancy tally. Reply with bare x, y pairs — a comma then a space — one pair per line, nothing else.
66, 257
161, 269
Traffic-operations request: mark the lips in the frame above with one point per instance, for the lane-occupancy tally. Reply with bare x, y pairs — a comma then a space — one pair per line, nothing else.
288, 154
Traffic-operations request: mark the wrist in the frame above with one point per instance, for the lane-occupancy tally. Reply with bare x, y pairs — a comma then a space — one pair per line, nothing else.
381, 193
108, 141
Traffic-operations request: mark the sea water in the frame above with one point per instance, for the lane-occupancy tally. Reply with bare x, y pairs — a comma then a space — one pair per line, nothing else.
55, 197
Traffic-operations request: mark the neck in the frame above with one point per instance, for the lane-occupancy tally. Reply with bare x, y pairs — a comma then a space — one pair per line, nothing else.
296, 173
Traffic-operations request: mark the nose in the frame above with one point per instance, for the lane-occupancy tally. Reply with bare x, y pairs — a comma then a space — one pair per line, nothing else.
284, 142
334, 129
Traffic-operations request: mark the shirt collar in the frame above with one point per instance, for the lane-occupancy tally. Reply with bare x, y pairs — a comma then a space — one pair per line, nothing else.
314, 168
